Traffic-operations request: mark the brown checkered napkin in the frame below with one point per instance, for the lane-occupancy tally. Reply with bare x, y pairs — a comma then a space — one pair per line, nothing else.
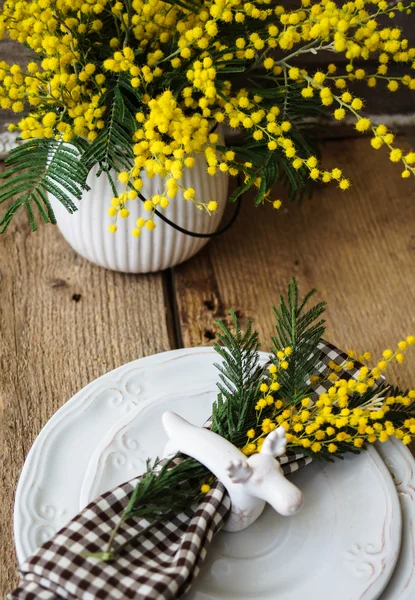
161, 565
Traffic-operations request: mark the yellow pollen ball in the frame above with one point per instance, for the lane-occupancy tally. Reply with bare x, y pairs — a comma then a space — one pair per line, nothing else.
376, 143
395, 155
294, 73
268, 63
363, 124
339, 114
123, 177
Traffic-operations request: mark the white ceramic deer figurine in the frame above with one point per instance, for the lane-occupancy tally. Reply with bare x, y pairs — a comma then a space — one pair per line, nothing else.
250, 482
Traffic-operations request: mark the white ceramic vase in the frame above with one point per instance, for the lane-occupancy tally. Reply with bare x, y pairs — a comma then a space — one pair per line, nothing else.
86, 230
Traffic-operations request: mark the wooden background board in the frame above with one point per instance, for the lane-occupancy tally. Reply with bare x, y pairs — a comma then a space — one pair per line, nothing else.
64, 322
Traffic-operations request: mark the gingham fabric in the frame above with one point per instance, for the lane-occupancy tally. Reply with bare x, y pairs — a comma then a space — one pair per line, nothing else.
160, 565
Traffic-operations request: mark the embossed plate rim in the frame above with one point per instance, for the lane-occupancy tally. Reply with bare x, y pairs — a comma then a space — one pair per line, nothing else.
401, 586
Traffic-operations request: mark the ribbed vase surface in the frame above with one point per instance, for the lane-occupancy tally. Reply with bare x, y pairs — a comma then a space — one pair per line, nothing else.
87, 229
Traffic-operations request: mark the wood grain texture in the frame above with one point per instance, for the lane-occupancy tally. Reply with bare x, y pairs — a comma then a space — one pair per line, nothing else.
63, 322
357, 248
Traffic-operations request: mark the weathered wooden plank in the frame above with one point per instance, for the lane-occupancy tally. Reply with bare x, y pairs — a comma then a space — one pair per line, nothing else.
357, 248
63, 322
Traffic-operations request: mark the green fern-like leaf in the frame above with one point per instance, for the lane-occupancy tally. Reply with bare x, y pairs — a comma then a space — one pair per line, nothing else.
36, 168
113, 148
241, 189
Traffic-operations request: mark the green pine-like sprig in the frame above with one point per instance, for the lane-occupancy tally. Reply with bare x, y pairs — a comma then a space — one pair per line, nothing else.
239, 378
302, 331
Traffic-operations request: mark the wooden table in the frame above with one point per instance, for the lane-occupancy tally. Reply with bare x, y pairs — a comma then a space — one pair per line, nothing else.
64, 321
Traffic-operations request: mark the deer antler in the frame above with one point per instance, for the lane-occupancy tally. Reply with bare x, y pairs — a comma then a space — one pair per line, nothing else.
239, 471
275, 443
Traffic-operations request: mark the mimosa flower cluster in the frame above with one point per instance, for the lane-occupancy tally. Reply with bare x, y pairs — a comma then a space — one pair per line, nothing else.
348, 415
141, 86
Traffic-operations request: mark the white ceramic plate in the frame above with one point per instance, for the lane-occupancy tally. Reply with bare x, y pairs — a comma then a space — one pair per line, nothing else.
401, 465
347, 534
49, 488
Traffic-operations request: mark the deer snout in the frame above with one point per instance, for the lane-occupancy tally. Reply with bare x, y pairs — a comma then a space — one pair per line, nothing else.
292, 503
285, 498
269, 483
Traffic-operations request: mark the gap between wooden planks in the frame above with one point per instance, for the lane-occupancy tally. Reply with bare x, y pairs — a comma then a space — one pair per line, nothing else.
64, 322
